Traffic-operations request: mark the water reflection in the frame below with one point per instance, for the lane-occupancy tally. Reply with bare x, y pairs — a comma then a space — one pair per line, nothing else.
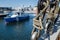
16, 31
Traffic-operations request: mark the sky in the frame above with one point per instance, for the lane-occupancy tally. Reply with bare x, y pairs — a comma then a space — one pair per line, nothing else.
17, 3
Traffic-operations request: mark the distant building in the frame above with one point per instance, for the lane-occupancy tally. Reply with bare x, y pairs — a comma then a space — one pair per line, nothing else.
2, 9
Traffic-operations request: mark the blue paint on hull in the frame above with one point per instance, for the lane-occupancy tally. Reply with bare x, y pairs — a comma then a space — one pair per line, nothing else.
21, 18
10, 19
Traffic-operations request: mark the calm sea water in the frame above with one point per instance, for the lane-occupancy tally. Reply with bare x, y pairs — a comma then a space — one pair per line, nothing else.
17, 30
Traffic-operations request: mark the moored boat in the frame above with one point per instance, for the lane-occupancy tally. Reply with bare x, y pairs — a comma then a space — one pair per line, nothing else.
16, 17
3, 15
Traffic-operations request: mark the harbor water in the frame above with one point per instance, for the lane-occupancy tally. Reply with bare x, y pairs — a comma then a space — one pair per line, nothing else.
16, 30
21, 30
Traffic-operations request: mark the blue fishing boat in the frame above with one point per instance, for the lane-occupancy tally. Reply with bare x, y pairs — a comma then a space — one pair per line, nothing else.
12, 17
